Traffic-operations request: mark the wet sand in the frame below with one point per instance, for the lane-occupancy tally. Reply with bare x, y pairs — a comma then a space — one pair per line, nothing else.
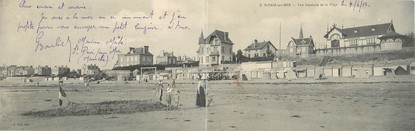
253, 105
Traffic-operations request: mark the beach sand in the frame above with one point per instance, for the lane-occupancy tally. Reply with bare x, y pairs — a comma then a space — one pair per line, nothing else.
372, 104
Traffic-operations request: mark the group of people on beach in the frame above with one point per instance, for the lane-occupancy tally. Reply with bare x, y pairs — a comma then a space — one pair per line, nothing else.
172, 94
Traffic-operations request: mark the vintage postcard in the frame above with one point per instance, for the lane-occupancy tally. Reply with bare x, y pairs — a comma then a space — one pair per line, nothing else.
207, 65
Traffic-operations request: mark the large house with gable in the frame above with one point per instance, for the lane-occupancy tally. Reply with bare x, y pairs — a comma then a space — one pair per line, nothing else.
215, 49
362, 39
260, 49
301, 46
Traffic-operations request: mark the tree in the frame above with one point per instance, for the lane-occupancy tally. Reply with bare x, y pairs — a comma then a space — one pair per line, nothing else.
239, 56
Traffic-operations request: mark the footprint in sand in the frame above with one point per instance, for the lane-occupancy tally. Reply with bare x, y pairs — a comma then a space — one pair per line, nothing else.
297, 116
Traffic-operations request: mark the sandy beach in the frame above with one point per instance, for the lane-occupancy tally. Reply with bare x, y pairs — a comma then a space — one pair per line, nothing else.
379, 104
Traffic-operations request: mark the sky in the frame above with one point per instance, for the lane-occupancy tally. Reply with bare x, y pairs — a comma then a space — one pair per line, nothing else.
245, 20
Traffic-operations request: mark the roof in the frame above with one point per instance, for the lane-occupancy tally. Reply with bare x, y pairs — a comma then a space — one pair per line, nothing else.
361, 31
138, 50
223, 37
391, 35
300, 41
258, 45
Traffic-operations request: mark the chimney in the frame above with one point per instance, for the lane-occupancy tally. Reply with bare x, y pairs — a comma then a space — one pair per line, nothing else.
226, 36
255, 42
131, 50
162, 53
145, 49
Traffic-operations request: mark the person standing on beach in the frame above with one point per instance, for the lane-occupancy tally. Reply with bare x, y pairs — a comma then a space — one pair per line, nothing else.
86, 82
159, 91
169, 96
201, 94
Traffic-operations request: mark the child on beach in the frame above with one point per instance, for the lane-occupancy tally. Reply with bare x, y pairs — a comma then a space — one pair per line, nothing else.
172, 95
169, 96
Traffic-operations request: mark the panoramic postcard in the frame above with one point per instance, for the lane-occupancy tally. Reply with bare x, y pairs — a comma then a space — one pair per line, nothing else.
207, 65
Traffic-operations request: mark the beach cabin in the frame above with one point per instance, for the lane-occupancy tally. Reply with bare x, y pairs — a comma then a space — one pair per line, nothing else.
281, 73
369, 69
318, 70
290, 75
400, 70
137, 77
346, 71
378, 71
266, 74
274, 73
361, 72
246, 74
254, 74
337, 70
310, 71
260, 73
390, 72
328, 71
300, 72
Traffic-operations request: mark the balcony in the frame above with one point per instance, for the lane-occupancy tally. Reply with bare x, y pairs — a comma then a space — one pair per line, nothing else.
214, 53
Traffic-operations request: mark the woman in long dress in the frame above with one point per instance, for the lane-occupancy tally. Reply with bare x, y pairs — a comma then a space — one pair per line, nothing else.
201, 95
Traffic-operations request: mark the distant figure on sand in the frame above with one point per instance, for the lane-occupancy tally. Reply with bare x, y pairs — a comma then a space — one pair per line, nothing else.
87, 84
320, 77
169, 96
172, 95
201, 94
159, 91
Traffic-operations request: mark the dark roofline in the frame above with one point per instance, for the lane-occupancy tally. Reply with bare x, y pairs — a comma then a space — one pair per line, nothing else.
355, 28
266, 42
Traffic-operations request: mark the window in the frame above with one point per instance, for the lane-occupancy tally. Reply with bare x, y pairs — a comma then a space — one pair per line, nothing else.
216, 41
371, 41
264, 54
230, 50
303, 42
223, 58
398, 40
389, 40
353, 42
256, 55
213, 59
335, 37
249, 55
223, 49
